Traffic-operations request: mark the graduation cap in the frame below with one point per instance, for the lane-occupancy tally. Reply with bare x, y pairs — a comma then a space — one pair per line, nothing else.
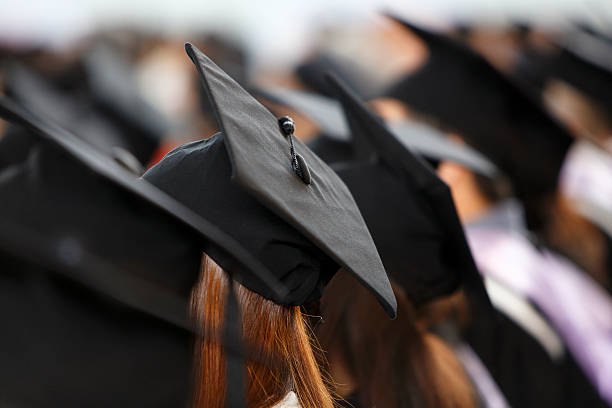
334, 143
97, 270
101, 115
231, 56
112, 85
584, 60
31, 89
313, 71
409, 211
273, 195
495, 116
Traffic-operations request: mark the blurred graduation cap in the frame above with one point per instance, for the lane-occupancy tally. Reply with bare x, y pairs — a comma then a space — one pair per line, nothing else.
408, 209
312, 73
31, 89
113, 88
97, 270
334, 143
115, 122
584, 60
272, 194
494, 115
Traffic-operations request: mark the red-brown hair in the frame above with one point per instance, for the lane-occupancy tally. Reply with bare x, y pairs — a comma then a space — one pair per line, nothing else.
278, 341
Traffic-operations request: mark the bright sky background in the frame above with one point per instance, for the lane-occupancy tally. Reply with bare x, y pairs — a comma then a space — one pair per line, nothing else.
269, 27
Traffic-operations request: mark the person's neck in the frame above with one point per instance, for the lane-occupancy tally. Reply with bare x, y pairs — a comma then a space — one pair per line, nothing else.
470, 202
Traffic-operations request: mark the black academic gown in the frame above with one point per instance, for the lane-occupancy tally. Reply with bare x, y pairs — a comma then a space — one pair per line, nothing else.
64, 343
524, 371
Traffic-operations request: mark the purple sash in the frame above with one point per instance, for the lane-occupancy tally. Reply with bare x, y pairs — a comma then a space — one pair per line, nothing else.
577, 307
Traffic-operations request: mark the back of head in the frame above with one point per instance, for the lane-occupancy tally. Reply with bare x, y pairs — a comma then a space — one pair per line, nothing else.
280, 358
393, 363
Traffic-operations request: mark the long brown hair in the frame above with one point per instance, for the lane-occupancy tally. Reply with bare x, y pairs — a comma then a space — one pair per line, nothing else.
278, 341
393, 363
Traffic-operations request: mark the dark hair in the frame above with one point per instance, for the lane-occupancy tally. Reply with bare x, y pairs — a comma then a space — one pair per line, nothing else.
395, 363
494, 190
570, 234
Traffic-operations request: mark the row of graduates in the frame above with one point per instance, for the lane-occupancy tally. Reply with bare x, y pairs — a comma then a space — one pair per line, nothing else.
100, 266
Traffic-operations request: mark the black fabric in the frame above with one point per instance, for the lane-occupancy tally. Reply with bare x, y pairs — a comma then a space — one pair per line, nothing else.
33, 90
283, 212
300, 266
96, 269
494, 115
595, 81
112, 86
231, 57
15, 144
312, 74
64, 343
524, 371
212, 240
418, 137
332, 150
103, 118
404, 228
409, 211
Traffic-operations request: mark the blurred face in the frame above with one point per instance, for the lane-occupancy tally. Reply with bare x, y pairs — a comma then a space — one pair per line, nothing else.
390, 109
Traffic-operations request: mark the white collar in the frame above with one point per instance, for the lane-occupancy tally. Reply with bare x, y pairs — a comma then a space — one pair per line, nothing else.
290, 401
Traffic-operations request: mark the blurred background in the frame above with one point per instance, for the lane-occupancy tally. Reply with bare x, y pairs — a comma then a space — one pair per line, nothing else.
260, 42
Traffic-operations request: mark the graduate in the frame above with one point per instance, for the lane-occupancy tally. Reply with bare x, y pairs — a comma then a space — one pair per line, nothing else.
534, 347
261, 185
575, 81
410, 213
97, 270
467, 95
116, 265
494, 116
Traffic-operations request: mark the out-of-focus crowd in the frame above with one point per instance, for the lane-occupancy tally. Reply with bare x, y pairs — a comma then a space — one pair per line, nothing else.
516, 120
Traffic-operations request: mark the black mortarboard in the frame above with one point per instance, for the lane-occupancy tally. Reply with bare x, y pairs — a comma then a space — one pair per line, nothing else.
213, 241
312, 74
464, 92
88, 112
409, 211
333, 144
97, 269
231, 56
272, 194
583, 60
35, 91
112, 85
